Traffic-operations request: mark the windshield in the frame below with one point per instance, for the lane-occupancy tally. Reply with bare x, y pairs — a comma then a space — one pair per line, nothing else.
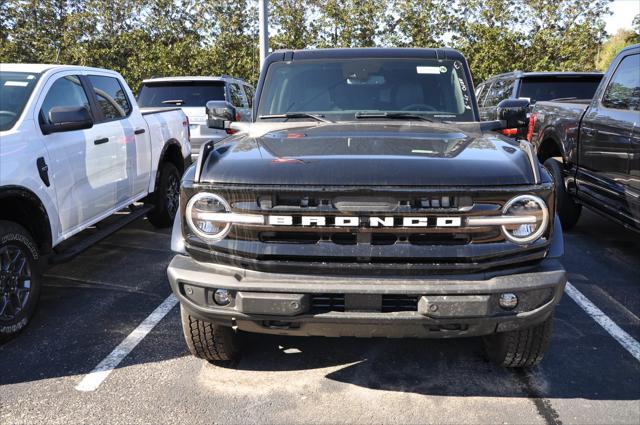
343, 89
187, 93
549, 88
15, 89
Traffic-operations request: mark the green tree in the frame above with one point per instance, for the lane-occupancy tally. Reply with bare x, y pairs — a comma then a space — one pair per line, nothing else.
350, 23
418, 23
612, 47
170, 37
532, 35
113, 34
489, 33
564, 35
292, 25
231, 38
39, 31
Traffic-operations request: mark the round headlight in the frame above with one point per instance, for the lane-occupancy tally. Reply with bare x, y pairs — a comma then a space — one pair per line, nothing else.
200, 209
526, 207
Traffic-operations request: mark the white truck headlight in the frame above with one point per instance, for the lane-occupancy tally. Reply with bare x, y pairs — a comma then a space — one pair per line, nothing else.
531, 218
202, 210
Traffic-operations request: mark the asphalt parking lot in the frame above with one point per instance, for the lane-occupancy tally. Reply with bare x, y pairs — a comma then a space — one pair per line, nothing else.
90, 305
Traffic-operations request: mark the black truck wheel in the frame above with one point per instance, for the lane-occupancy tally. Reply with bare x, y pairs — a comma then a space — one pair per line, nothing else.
568, 209
19, 279
166, 198
209, 341
520, 348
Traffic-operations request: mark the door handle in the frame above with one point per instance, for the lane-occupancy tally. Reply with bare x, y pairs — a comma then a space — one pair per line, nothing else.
589, 131
139, 131
101, 141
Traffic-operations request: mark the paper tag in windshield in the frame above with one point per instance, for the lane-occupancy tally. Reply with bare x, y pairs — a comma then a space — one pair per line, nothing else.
431, 69
16, 83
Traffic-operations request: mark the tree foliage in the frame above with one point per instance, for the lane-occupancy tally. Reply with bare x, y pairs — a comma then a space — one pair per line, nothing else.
612, 47
143, 38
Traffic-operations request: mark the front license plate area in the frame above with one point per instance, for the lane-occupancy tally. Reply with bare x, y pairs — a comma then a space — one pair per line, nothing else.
363, 302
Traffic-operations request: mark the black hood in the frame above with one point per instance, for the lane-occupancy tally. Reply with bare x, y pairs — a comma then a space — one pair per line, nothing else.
370, 154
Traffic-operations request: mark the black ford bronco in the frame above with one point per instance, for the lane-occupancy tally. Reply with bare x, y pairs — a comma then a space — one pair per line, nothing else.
366, 199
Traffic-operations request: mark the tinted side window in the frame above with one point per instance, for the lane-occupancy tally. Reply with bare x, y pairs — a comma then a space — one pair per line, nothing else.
236, 97
554, 87
248, 91
66, 92
623, 91
500, 90
112, 99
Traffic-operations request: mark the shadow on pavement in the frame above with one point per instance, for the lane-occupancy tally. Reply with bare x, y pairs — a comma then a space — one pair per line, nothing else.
104, 294
584, 363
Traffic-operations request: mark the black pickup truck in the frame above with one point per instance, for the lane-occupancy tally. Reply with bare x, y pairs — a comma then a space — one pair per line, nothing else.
367, 199
534, 86
592, 147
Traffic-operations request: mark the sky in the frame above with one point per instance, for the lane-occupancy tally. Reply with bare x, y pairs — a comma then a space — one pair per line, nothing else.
622, 16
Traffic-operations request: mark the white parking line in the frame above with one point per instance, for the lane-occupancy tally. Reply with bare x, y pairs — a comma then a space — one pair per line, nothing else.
626, 340
93, 380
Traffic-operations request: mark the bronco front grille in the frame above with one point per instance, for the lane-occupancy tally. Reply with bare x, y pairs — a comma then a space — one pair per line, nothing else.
293, 246
351, 238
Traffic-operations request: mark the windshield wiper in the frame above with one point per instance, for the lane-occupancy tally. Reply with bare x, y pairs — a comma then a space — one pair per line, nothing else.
294, 115
392, 115
173, 101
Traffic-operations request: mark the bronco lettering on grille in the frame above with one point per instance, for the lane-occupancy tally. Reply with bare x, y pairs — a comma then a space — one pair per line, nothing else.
350, 221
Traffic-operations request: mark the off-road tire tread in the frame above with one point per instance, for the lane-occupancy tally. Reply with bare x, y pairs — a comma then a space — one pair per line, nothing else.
11, 228
159, 216
209, 341
522, 348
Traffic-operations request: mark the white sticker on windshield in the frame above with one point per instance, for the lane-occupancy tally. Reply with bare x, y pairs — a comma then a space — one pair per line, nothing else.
16, 83
428, 69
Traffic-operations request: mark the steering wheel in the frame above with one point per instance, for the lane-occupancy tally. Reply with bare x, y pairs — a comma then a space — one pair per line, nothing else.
9, 113
419, 107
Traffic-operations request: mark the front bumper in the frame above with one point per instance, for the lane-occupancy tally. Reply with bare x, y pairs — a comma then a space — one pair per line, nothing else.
447, 306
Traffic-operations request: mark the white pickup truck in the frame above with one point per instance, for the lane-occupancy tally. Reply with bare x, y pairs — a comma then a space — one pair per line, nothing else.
74, 149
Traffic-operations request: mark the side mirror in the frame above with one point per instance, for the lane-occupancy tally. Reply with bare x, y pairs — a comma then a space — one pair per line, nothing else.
67, 118
513, 112
219, 114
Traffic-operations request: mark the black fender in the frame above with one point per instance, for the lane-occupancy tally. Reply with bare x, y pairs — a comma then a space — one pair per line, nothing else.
556, 249
36, 220
179, 161
550, 135
177, 238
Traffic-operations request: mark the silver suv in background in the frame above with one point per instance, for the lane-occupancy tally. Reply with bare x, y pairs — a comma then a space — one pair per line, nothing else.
191, 94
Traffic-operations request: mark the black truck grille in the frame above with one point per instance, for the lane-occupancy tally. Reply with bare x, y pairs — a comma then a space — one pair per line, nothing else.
365, 249
324, 303
351, 238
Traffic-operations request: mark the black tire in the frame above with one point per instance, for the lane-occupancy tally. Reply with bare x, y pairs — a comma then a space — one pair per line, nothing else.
19, 279
166, 197
521, 348
208, 341
568, 210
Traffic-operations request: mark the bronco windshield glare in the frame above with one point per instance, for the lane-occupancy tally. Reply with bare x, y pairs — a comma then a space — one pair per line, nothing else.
342, 88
